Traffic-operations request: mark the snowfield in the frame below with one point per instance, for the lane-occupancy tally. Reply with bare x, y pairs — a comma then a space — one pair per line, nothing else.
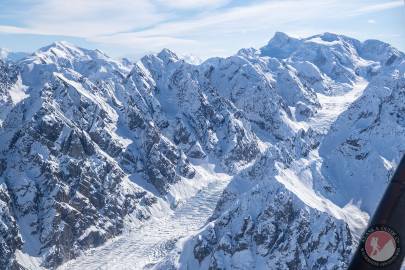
333, 106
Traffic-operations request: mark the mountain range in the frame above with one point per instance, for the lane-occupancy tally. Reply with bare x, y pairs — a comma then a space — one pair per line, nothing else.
273, 158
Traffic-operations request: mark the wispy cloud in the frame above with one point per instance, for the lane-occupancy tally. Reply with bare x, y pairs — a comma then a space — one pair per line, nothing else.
208, 31
193, 4
371, 21
378, 7
95, 18
16, 30
205, 26
86, 18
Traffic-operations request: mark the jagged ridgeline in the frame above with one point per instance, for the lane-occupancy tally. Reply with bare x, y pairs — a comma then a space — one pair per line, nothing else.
90, 144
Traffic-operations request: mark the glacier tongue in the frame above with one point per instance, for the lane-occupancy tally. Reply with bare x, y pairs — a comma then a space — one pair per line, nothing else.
333, 106
143, 245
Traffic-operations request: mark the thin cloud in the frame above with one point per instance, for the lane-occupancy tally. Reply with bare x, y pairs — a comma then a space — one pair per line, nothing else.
238, 18
207, 31
79, 18
378, 7
194, 4
198, 26
16, 30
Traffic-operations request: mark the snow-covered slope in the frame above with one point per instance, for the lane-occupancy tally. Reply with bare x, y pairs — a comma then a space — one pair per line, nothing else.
93, 148
367, 141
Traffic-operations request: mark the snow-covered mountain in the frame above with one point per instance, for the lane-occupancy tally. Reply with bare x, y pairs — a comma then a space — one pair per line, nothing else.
303, 204
93, 148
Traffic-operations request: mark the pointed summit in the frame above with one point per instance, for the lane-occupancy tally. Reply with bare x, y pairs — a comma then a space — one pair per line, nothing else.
167, 55
280, 37
62, 49
280, 46
67, 50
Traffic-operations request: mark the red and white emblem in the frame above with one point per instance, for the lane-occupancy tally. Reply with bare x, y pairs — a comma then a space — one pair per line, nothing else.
380, 246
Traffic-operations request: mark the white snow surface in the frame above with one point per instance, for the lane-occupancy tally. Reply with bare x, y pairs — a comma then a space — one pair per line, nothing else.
333, 105
18, 92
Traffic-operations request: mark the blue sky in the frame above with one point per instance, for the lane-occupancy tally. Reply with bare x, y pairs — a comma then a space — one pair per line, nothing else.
204, 28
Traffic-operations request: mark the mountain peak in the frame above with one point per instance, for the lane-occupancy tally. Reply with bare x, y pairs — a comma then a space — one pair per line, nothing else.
167, 55
330, 37
64, 45
280, 36
67, 50
61, 49
280, 45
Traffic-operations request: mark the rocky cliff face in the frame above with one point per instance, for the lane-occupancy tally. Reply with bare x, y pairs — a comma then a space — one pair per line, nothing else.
65, 189
272, 231
88, 143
